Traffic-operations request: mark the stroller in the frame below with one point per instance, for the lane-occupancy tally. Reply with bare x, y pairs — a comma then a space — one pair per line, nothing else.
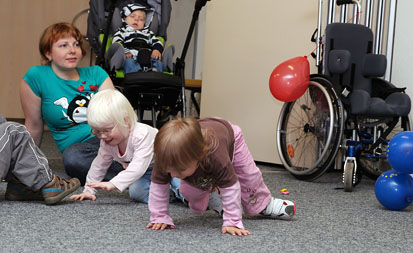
163, 94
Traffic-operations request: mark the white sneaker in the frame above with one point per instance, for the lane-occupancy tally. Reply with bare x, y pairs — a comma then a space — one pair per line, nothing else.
280, 209
215, 202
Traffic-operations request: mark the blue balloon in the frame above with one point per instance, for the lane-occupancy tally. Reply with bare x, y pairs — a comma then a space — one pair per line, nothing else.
394, 190
400, 152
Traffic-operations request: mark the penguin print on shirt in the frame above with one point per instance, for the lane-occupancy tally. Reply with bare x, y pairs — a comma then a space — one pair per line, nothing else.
76, 109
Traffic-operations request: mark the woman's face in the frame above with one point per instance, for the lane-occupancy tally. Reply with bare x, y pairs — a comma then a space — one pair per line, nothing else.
65, 53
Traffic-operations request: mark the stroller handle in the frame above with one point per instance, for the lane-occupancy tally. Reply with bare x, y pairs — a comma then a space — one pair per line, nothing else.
199, 4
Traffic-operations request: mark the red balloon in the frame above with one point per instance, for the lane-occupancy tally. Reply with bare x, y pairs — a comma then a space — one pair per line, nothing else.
289, 80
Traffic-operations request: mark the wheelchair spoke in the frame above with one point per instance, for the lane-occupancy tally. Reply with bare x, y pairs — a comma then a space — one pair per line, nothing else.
303, 145
304, 137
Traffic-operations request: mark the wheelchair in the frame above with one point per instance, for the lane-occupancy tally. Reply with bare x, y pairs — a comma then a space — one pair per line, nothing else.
163, 94
347, 115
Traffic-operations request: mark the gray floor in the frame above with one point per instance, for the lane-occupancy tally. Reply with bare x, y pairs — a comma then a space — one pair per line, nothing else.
327, 220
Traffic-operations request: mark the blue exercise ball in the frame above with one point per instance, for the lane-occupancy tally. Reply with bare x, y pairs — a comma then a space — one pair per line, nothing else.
394, 190
400, 152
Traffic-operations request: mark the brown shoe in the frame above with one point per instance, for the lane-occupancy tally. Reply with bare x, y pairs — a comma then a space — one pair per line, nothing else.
17, 191
59, 188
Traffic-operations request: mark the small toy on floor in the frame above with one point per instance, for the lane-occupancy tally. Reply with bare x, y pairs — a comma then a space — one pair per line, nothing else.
284, 191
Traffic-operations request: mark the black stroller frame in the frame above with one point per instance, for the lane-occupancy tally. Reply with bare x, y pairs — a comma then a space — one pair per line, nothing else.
154, 91
348, 114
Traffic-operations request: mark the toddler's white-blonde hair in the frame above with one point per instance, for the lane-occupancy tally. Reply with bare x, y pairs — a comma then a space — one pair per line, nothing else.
110, 106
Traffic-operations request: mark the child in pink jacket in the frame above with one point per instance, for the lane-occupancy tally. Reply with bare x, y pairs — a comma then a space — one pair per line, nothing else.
124, 140
208, 154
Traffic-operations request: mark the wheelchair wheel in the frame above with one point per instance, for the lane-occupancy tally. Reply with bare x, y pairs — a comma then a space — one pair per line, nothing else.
309, 130
348, 176
351, 175
373, 165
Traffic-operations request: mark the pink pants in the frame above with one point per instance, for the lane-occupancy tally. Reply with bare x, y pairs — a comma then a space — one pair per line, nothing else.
255, 195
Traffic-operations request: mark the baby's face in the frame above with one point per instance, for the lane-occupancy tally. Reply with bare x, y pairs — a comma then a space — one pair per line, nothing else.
189, 170
136, 19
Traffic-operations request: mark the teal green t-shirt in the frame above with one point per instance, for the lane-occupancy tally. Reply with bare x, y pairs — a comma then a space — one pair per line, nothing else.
65, 102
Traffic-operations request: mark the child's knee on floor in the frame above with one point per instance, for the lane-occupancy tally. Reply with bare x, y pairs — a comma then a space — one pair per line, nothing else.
139, 191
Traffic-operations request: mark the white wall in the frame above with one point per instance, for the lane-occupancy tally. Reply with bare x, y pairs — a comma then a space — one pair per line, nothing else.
244, 41
403, 52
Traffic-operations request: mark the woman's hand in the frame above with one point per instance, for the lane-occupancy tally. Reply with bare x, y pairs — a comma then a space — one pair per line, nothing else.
159, 226
235, 231
128, 55
82, 196
156, 54
106, 186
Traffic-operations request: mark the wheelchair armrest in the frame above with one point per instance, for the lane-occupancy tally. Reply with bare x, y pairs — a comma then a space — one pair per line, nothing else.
374, 65
382, 88
338, 61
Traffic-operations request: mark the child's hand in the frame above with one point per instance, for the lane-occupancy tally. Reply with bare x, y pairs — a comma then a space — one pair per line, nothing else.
156, 54
235, 231
128, 55
106, 186
159, 226
82, 196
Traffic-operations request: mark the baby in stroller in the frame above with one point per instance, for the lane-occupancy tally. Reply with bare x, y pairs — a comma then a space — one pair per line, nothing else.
143, 50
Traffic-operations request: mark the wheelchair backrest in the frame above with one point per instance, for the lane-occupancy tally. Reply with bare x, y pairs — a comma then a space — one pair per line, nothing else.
347, 47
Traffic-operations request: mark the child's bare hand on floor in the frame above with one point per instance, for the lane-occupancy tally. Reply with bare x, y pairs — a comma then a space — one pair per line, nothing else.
159, 226
235, 231
82, 196
106, 186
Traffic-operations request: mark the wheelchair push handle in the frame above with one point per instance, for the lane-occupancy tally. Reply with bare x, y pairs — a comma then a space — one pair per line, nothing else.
341, 2
356, 2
